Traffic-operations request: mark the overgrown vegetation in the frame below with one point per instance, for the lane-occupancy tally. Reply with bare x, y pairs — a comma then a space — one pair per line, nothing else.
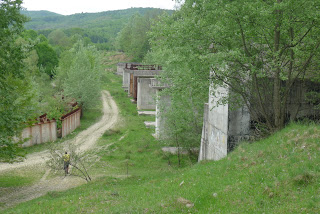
42, 75
277, 175
259, 50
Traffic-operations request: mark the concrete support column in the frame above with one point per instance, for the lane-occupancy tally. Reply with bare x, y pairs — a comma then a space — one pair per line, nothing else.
146, 95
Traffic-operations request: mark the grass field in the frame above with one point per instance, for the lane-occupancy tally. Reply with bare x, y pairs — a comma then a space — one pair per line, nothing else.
280, 174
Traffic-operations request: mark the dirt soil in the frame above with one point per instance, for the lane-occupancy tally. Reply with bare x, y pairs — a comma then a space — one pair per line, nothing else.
84, 141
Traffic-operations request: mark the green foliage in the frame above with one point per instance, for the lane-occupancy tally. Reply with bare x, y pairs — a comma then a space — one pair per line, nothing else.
30, 34
48, 59
260, 40
16, 90
175, 46
133, 38
16, 107
31, 62
257, 49
79, 74
42, 38
59, 38
11, 23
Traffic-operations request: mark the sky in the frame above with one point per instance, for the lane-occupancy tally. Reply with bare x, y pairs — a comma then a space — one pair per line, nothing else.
67, 7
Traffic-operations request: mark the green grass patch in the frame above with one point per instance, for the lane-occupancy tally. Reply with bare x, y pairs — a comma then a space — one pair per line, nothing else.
280, 174
14, 181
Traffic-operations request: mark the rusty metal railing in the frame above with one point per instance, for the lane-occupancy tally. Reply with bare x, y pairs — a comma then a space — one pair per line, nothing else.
142, 67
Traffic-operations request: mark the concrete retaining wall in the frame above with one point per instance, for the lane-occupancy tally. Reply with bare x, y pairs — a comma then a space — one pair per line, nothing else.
146, 94
70, 122
40, 133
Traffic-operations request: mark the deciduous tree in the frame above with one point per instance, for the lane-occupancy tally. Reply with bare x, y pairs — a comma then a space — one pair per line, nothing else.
258, 49
48, 59
16, 91
79, 74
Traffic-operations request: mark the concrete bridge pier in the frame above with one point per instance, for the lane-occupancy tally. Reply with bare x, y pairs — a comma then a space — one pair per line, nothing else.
162, 101
223, 128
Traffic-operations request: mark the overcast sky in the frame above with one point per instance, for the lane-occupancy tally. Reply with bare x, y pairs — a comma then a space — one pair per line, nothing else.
67, 7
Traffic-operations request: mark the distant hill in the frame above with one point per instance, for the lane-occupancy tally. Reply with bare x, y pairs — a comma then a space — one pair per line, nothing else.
102, 28
41, 20
39, 14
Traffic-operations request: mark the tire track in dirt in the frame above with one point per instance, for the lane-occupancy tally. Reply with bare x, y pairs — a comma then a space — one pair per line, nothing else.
84, 141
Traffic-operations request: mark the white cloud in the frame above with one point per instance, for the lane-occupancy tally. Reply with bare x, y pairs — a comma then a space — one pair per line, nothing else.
67, 7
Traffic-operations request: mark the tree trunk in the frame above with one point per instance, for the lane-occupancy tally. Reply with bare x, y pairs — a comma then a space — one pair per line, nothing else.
278, 123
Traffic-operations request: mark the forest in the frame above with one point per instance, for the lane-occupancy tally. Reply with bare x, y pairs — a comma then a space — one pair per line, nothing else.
101, 28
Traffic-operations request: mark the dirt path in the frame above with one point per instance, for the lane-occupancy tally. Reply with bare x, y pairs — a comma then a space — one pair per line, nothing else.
85, 140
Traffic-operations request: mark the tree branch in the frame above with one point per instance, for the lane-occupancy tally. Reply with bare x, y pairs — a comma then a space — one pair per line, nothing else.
243, 38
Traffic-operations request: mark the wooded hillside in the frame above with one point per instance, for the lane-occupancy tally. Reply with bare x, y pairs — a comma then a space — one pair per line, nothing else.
41, 20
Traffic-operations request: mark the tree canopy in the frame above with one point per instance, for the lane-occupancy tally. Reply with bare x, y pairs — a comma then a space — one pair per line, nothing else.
257, 49
48, 59
78, 74
11, 25
16, 90
133, 38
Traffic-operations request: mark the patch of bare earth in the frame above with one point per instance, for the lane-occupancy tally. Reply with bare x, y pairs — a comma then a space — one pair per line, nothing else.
84, 141
120, 58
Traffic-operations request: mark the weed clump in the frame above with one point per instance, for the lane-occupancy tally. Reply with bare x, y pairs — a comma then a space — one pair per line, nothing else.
303, 179
111, 132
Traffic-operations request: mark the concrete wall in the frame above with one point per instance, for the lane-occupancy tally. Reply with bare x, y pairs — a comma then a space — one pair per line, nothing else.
298, 107
120, 68
298, 104
126, 74
40, 133
162, 102
70, 122
214, 140
126, 79
223, 128
238, 126
130, 78
146, 94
